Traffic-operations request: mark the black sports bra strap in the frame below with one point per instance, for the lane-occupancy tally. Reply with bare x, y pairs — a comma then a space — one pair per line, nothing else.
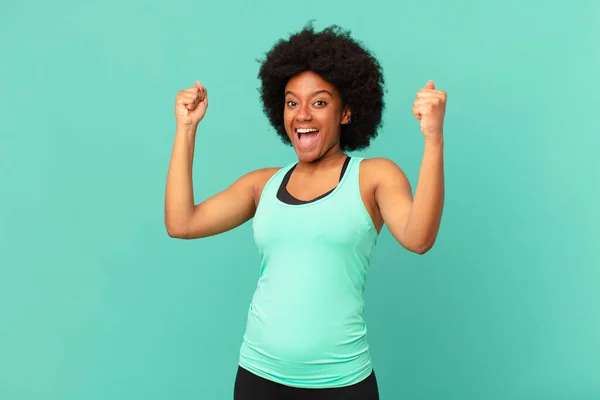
285, 196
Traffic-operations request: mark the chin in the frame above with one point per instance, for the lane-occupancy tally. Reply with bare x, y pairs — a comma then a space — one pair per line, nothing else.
308, 156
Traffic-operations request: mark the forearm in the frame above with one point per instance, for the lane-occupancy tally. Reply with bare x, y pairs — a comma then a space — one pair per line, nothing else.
426, 212
179, 196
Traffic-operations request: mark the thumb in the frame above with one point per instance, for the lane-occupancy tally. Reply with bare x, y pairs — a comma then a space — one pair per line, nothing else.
430, 85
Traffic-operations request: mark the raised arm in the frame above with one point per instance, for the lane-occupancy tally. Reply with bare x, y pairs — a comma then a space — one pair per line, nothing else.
222, 212
415, 222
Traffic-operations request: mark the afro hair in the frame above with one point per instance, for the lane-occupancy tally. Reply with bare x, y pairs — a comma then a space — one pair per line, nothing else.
339, 59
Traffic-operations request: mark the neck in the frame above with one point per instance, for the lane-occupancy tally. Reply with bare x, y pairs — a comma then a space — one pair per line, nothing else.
332, 158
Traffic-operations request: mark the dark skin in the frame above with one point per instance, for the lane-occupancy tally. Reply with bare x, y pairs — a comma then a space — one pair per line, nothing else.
311, 102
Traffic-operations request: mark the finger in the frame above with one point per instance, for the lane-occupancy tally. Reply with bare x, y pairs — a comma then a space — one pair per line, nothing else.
187, 98
417, 112
428, 101
427, 93
424, 109
193, 90
189, 101
431, 94
194, 103
197, 88
200, 87
422, 101
430, 85
182, 110
202, 95
188, 92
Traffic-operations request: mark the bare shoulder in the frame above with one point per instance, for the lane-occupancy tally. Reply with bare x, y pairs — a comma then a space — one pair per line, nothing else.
257, 176
379, 169
262, 175
379, 177
379, 162
257, 179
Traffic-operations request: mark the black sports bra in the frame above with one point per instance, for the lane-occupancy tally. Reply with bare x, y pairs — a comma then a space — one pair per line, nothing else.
285, 196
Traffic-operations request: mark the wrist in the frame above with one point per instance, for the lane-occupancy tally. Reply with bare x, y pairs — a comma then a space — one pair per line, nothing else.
434, 140
186, 130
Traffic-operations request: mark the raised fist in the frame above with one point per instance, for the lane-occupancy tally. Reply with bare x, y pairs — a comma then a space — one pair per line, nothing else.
430, 107
190, 106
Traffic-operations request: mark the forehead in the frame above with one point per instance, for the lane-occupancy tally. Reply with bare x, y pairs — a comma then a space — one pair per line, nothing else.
308, 82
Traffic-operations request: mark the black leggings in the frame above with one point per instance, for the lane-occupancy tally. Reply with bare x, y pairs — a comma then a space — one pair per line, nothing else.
252, 387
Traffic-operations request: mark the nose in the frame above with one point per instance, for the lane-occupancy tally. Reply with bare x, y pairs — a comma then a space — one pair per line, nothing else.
303, 114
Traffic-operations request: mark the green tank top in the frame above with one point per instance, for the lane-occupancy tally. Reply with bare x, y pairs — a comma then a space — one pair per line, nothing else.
305, 324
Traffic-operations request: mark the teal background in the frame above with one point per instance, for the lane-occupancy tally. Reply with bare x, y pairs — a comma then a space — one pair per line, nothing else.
97, 302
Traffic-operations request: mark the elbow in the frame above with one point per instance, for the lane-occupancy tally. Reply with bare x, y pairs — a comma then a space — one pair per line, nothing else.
175, 231
420, 248
175, 234
416, 240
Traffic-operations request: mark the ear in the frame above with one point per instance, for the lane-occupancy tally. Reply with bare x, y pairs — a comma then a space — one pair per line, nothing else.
346, 115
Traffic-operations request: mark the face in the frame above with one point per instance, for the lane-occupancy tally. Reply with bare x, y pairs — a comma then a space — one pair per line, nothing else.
313, 115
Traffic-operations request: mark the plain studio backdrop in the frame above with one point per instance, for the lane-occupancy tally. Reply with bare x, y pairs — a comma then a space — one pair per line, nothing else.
97, 302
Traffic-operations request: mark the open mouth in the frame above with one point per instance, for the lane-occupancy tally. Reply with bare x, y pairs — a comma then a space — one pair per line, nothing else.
300, 132
307, 137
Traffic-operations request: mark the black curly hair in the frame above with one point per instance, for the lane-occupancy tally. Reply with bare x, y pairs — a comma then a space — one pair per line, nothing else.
339, 59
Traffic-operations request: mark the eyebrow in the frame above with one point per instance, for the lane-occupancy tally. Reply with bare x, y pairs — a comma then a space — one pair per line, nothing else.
313, 93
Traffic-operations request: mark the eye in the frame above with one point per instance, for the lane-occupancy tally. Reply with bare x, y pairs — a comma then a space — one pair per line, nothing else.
291, 103
320, 103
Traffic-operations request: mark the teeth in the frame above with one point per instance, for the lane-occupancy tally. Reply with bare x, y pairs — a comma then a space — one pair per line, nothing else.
306, 130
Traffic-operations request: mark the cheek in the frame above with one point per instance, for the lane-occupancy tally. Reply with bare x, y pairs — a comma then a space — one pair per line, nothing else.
288, 117
332, 119
288, 120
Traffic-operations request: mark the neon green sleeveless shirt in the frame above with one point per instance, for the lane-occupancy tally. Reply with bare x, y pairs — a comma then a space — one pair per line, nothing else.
305, 324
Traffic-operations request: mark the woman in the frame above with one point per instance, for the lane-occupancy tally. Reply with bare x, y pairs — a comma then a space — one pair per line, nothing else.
316, 220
